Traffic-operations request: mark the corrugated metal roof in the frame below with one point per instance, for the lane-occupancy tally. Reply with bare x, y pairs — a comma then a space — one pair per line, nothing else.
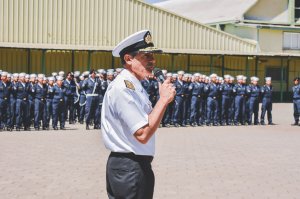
101, 24
209, 11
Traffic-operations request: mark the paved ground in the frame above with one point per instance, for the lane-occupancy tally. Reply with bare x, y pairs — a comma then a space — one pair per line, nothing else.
202, 162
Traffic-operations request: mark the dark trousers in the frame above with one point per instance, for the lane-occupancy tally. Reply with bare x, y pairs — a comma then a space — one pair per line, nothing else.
226, 106
266, 107
13, 102
40, 112
178, 109
212, 110
195, 109
167, 119
239, 102
49, 111
69, 102
5, 119
129, 176
59, 110
92, 103
22, 113
253, 109
82, 102
296, 103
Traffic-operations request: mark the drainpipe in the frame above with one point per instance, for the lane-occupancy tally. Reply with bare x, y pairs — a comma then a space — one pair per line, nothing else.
291, 11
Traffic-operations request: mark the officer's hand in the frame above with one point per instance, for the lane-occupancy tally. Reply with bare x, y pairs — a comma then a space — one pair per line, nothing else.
166, 91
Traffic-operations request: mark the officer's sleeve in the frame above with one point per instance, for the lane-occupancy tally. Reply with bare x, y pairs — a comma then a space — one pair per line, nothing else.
128, 110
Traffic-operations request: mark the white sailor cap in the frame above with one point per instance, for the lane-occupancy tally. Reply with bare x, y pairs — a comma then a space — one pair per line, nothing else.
4, 73
213, 75
244, 77
197, 75
231, 78
101, 71
140, 41
32, 75
27, 76
110, 72
41, 75
175, 75
119, 70
59, 78
15, 75
186, 75
164, 71
207, 78
61, 73
226, 76
81, 77
255, 79
54, 74
9, 75
22, 74
268, 78
220, 78
169, 74
239, 77
181, 72
86, 73
76, 73
51, 78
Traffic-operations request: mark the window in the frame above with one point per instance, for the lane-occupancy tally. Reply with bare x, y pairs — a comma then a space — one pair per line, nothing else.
297, 10
275, 73
291, 41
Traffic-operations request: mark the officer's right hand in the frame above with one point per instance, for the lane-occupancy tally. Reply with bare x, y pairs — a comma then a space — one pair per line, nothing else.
166, 91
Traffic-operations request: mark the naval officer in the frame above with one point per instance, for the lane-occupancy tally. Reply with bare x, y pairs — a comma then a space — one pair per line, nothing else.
129, 122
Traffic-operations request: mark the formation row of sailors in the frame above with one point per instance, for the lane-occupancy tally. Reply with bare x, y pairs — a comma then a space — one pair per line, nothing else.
27, 100
213, 100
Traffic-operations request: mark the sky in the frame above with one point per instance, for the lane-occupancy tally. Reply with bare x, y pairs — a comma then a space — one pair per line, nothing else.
153, 1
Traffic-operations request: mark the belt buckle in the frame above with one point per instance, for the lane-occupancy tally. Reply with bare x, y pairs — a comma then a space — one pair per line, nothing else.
24, 98
182, 95
214, 97
199, 95
61, 100
5, 98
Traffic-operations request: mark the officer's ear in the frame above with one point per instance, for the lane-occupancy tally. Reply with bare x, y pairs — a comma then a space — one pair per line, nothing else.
128, 59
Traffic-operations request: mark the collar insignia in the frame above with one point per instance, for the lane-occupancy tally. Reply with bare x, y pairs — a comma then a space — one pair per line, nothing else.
129, 85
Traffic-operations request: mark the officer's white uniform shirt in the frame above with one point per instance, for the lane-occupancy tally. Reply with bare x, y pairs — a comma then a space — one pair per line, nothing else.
125, 110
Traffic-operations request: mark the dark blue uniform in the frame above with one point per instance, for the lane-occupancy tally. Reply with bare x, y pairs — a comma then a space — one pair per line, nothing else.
180, 88
58, 106
22, 105
40, 106
76, 111
13, 101
240, 95
196, 89
203, 105
227, 100
102, 88
266, 93
253, 93
70, 87
5, 93
82, 102
296, 103
49, 104
31, 102
213, 93
92, 90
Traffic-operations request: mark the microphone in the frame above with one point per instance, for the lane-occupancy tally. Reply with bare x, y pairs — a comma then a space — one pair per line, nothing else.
159, 75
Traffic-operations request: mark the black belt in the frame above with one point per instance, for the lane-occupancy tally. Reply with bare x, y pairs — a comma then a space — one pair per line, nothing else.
4, 98
132, 156
42, 99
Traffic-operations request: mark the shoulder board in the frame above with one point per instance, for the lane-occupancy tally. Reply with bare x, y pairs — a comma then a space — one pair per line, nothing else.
129, 85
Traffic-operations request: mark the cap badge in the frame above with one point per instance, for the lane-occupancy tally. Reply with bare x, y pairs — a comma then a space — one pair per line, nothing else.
148, 38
